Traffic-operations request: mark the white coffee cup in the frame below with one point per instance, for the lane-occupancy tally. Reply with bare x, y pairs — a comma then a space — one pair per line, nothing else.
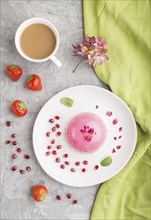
24, 25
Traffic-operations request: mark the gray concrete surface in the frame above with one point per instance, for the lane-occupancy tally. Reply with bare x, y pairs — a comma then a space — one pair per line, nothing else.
16, 200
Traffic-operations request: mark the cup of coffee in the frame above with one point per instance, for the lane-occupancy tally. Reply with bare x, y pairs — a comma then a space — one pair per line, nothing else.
37, 40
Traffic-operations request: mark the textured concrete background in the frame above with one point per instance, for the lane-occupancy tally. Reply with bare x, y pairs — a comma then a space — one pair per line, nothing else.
16, 201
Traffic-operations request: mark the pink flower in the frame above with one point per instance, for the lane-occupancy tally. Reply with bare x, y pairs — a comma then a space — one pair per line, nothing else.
92, 50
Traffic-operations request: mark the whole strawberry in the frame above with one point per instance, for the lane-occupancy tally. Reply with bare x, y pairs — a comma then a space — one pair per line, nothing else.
14, 72
34, 82
19, 108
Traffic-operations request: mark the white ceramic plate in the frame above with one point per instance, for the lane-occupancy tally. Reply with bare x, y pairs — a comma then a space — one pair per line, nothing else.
86, 99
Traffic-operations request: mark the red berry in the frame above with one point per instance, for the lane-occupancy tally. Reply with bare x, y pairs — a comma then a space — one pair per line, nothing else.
57, 126
84, 170
58, 160
57, 117
52, 141
58, 134
53, 129
14, 168
58, 197
7, 142
65, 155
14, 143
8, 123
18, 150
62, 166
49, 147
26, 156
14, 135
67, 163
73, 170
77, 163
54, 152
69, 196
85, 162
22, 171
47, 153
74, 202
51, 120
28, 168
59, 146
14, 156
48, 134
96, 167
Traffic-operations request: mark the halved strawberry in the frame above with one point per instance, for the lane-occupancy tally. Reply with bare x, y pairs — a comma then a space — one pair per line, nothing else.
34, 82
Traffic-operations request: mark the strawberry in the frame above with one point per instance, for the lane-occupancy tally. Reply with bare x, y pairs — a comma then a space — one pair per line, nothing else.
39, 193
14, 72
19, 108
34, 82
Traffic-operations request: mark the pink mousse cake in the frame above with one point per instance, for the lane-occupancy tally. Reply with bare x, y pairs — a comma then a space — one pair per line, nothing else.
86, 132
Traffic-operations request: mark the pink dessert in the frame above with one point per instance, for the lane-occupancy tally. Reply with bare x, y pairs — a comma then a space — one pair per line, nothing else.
86, 132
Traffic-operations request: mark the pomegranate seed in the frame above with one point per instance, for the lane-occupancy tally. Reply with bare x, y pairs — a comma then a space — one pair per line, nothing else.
52, 141
14, 168
115, 121
48, 134
96, 106
58, 197
119, 137
118, 147
57, 117
77, 163
67, 163
85, 162
73, 170
57, 126
74, 202
14, 135
113, 151
58, 134
8, 123
62, 166
69, 196
58, 160
49, 147
28, 168
51, 120
59, 146
22, 171
7, 142
54, 152
84, 170
26, 156
18, 150
14, 156
96, 167
47, 153
65, 155
120, 129
53, 129
14, 143
115, 138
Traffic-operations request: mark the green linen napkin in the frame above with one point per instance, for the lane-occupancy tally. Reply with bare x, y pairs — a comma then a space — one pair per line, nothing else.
125, 25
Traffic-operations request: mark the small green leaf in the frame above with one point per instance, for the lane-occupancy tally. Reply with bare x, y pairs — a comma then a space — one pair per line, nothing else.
29, 79
67, 101
107, 161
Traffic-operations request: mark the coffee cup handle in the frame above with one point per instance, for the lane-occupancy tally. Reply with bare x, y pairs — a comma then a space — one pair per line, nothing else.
56, 61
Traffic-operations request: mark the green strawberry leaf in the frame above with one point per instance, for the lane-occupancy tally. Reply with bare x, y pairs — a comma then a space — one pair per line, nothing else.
43, 197
22, 106
29, 78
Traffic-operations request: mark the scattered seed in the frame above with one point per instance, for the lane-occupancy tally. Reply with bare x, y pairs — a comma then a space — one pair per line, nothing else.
28, 168
73, 170
53, 129
113, 151
58, 197
96, 106
85, 162
8, 123
67, 163
18, 150
120, 129
47, 153
115, 138
54, 152
118, 147
59, 147
74, 202
48, 134
22, 171
69, 195
14, 135
7, 142
115, 121
65, 155
84, 170
96, 167
14, 156
52, 141
51, 120
14, 142
26, 156
77, 163
62, 166
119, 137
57, 126
58, 160
14, 168
57, 117
49, 147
